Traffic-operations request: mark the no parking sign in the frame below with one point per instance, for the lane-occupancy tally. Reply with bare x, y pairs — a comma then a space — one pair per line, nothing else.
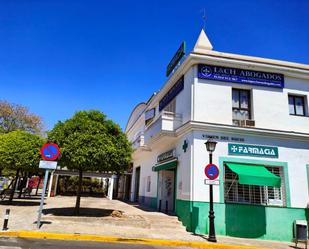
50, 152
211, 171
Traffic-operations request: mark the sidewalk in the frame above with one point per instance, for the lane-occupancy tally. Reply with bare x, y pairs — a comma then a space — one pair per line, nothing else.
97, 218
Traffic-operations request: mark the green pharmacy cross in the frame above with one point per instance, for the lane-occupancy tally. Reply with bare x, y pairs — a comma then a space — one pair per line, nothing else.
185, 146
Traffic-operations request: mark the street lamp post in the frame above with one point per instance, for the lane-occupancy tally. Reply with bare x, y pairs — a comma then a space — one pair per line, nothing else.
211, 146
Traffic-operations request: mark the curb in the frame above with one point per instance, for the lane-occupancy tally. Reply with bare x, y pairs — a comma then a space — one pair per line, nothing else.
110, 239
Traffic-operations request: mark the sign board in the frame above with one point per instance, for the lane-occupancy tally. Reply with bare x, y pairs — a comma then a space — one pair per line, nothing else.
176, 58
48, 165
149, 115
241, 76
253, 150
211, 182
166, 156
172, 93
223, 138
211, 171
50, 152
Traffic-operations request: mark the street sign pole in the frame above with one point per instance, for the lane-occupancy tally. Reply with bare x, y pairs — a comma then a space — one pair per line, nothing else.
212, 173
38, 224
49, 152
211, 216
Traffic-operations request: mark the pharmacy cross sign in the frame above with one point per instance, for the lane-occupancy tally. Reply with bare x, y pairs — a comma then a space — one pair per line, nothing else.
185, 146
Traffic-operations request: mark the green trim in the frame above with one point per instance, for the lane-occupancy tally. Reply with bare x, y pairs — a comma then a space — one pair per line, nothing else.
270, 223
255, 175
157, 190
175, 188
167, 165
223, 160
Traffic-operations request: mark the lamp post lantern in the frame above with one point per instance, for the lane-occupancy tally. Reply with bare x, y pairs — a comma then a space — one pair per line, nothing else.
211, 146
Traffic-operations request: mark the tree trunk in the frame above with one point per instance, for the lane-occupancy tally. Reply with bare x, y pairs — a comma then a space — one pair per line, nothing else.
37, 187
14, 186
79, 190
22, 184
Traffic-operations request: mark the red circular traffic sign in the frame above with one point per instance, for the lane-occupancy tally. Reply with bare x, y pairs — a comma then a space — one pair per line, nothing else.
211, 171
50, 152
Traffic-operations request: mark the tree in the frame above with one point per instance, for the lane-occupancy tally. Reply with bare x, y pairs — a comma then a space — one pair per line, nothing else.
16, 117
90, 142
20, 151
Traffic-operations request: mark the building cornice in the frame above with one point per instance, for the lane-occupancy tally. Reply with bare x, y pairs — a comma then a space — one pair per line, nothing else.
243, 131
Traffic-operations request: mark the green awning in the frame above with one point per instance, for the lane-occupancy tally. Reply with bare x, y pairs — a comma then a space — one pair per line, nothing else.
166, 165
255, 175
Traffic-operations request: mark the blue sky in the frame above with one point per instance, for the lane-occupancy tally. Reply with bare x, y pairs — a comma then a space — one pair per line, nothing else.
57, 57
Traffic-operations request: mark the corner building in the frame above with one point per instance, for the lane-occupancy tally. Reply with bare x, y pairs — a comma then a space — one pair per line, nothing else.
257, 111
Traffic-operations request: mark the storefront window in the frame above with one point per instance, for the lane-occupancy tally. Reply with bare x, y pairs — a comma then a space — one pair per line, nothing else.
234, 192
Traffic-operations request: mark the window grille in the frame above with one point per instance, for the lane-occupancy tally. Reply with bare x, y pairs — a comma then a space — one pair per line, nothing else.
234, 192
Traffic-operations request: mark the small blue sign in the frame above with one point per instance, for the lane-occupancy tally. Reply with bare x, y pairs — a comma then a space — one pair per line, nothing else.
50, 152
212, 171
242, 76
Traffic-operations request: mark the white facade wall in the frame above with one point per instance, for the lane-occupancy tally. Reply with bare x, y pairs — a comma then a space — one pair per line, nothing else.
183, 99
270, 108
294, 153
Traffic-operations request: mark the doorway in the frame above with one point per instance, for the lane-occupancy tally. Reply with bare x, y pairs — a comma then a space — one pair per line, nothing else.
166, 190
137, 180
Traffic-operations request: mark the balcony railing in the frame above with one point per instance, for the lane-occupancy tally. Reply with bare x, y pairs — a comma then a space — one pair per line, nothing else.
139, 141
167, 122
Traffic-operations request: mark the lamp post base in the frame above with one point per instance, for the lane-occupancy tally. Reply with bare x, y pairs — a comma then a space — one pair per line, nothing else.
212, 239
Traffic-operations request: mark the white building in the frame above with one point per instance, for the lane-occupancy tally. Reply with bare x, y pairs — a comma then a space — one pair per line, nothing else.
257, 111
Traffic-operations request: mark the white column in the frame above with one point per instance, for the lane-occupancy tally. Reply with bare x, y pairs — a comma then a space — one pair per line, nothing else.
110, 188
50, 183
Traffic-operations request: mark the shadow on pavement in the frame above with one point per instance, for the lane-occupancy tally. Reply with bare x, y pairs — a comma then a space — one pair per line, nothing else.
43, 223
86, 212
146, 208
20, 203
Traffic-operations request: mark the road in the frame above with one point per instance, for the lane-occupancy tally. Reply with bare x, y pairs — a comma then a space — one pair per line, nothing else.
16, 243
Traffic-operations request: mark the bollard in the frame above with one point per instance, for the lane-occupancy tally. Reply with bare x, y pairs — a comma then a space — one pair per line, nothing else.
160, 205
166, 207
6, 219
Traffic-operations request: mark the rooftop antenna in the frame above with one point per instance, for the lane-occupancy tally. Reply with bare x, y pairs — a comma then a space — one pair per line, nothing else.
204, 18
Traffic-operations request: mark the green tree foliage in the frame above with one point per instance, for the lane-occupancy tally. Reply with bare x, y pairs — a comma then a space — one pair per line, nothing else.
16, 117
20, 150
90, 142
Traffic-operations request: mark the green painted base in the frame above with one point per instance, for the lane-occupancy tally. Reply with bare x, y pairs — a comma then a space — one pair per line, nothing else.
240, 220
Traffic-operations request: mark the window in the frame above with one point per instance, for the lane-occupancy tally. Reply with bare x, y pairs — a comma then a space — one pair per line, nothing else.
252, 194
171, 107
297, 105
148, 183
241, 105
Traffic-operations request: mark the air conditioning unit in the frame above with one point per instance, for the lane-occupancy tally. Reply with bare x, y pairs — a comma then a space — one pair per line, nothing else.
247, 123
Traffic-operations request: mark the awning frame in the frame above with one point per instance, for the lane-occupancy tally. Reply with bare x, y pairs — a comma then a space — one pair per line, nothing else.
260, 175
160, 166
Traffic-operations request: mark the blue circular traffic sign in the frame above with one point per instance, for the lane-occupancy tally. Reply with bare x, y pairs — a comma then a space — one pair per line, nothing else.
211, 171
50, 152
